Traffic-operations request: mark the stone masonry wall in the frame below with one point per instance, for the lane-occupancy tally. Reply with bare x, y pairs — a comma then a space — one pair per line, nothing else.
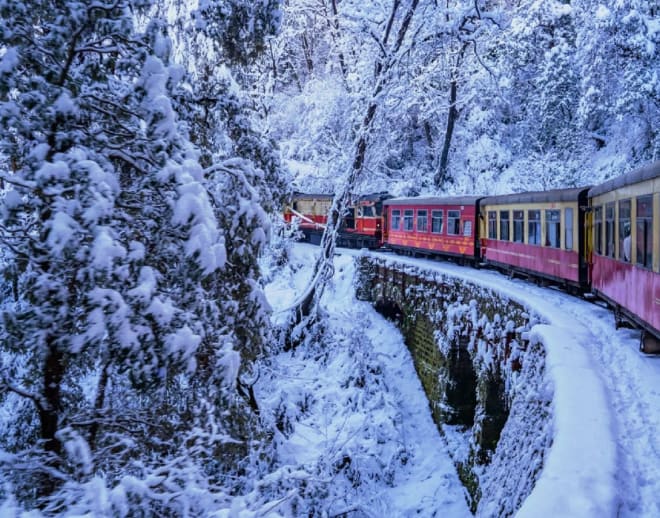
470, 352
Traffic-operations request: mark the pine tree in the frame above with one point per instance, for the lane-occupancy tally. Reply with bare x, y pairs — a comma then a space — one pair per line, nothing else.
118, 237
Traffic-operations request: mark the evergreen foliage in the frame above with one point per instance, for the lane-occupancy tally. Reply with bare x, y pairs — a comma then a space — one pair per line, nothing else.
131, 253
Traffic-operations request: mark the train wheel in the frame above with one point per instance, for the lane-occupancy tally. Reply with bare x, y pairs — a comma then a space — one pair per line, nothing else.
648, 343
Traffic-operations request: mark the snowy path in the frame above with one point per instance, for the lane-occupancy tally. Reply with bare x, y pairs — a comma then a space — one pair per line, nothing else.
631, 378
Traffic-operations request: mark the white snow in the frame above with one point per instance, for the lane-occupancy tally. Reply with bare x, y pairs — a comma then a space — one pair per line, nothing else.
606, 401
603, 13
105, 250
184, 342
9, 60
193, 207
62, 230
581, 464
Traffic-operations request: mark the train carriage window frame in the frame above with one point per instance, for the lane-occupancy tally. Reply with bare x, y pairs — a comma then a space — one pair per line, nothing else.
437, 221
518, 226
467, 228
454, 222
492, 224
505, 225
644, 232
553, 228
396, 219
534, 227
422, 220
625, 230
367, 211
598, 230
609, 230
568, 228
408, 217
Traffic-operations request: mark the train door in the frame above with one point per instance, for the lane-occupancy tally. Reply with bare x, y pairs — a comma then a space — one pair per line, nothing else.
585, 240
349, 218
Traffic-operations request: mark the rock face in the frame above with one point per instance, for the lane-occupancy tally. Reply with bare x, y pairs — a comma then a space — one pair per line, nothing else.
479, 372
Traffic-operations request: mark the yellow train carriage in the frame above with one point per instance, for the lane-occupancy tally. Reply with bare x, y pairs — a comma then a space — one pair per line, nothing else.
537, 233
625, 241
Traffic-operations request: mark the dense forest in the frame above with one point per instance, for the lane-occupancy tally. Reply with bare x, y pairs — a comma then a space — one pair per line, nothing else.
147, 147
463, 96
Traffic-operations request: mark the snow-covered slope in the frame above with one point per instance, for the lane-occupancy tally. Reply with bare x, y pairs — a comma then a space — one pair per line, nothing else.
355, 421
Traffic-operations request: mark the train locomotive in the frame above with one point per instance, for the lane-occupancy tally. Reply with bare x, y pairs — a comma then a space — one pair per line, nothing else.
599, 241
361, 226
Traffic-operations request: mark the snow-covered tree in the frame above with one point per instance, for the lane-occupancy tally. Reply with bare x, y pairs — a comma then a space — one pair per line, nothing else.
136, 296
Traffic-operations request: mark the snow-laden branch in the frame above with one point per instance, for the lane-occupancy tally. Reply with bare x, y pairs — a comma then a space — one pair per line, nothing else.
39, 402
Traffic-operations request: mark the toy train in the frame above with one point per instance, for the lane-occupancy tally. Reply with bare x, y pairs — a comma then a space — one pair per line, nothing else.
601, 240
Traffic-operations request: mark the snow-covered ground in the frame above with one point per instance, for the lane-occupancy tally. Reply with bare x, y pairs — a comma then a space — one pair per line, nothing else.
605, 459
387, 431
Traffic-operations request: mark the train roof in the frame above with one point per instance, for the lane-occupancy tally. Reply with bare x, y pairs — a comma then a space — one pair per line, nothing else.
377, 196
434, 200
315, 196
549, 196
647, 172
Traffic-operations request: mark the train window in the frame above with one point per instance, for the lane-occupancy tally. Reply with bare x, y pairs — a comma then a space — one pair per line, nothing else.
408, 220
568, 223
422, 221
518, 226
504, 225
609, 229
644, 231
436, 221
534, 227
467, 228
368, 211
598, 230
553, 228
454, 222
492, 224
396, 219
624, 230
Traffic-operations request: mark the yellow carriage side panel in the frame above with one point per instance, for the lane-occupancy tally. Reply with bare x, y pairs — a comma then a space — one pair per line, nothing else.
540, 206
632, 192
313, 207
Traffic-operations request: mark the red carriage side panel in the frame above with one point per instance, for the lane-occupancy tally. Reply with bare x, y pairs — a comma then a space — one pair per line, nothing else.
440, 226
550, 262
633, 288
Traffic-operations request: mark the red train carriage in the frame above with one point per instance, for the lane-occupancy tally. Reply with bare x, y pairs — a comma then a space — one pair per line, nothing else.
625, 239
433, 226
362, 225
538, 234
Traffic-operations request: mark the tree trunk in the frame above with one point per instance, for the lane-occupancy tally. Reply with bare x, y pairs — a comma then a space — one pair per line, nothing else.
441, 173
335, 26
306, 308
99, 403
49, 414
